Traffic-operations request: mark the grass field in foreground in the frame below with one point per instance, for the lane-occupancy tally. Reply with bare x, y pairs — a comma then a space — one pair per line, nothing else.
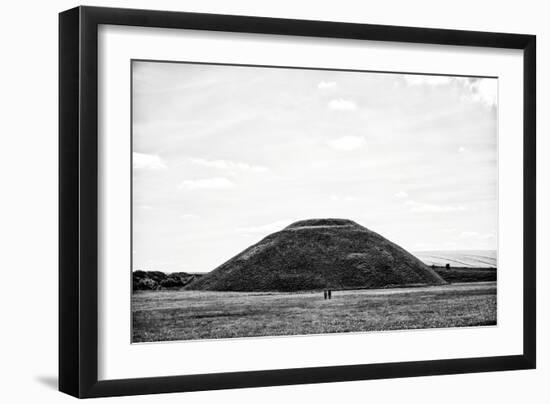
169, 315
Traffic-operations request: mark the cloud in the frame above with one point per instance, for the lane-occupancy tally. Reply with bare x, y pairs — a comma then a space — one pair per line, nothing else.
228, 165
480, 90
401, 195
143, 161
342, 105
207, 183
461, 149
326, 85
347, 143
419, 207
265, 228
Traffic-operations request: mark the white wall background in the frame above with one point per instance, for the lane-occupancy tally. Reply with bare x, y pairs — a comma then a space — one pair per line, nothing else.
28, 207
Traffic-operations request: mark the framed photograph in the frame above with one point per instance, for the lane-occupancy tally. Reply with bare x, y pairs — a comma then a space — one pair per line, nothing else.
249, 201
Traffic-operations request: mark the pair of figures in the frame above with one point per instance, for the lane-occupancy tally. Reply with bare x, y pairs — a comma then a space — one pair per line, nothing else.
328, 294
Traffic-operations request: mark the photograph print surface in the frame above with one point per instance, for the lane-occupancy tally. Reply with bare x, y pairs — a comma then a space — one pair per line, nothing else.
272, 201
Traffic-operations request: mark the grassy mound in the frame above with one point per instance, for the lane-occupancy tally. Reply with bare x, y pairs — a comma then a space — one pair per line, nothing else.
318, 254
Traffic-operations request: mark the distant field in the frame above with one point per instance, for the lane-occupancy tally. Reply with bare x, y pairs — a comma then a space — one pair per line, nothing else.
465, 259
182, 315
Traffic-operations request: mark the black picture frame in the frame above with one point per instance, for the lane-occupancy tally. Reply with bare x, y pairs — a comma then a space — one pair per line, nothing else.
78, 201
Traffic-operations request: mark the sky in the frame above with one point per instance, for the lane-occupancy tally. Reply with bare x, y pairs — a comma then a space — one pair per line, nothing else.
225, 155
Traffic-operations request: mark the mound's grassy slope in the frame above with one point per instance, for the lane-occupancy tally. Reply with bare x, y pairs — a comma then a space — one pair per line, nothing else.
317, 254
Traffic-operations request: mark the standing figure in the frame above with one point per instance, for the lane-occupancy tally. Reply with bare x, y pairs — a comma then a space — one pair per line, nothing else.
329, 294
325, 293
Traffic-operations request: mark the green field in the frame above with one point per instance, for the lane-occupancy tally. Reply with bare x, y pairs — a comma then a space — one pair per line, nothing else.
168, 315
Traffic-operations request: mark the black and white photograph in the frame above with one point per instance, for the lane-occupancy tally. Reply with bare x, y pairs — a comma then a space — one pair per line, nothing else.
277, 201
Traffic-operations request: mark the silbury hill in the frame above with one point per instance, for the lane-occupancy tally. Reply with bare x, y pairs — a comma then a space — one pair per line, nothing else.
319, 254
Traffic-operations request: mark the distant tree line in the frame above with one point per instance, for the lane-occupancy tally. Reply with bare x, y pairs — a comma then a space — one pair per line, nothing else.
155, 280
465, 274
